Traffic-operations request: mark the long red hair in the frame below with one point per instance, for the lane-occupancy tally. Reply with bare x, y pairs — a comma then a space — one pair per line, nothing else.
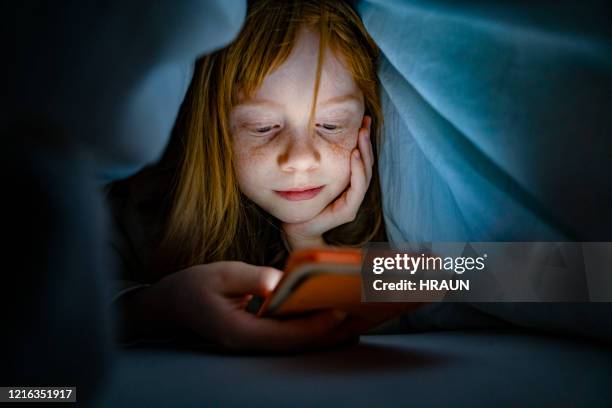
208, 218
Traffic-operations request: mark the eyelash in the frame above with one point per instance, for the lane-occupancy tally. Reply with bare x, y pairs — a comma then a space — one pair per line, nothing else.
328, 128
263, 130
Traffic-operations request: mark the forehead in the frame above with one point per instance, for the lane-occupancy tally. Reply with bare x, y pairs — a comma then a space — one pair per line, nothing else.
293, 81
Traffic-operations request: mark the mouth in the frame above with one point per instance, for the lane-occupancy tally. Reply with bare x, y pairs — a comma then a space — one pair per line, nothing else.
299, 194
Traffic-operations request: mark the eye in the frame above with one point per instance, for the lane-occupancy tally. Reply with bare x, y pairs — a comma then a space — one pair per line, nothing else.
262, 130
330, 128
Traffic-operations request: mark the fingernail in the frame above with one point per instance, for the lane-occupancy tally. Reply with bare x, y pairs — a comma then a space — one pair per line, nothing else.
272, 279
339, 315
356, 154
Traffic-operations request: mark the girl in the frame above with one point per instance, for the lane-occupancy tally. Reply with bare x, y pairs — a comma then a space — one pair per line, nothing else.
274, 150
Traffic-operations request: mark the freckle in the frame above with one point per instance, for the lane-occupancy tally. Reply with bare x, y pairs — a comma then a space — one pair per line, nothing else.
339, 149
344, 146
254, 154
257, 152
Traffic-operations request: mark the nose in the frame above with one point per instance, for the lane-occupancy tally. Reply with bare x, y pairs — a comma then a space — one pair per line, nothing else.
300, 154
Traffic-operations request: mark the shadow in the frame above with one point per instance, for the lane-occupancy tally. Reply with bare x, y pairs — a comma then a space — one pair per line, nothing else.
361, 358
370, 354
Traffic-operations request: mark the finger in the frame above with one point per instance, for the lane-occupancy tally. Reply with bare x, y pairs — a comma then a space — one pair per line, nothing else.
365, 148
368, 151
366, 121
239, 278
252, 333
370, 146
356, 192
345, 208
244, 301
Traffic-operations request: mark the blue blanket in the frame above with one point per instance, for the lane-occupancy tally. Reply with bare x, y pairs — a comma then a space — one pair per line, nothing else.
497, 128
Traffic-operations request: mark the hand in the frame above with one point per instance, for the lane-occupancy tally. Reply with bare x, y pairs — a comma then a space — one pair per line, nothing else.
211, 299
344, 209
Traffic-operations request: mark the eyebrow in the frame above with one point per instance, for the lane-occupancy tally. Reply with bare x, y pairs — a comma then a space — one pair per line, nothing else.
341, 99
335, 100
254, 102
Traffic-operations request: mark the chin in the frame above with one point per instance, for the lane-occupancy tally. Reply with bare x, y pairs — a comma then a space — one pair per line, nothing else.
296, 216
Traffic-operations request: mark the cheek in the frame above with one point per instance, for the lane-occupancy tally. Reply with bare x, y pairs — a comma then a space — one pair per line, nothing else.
340, 158
346, 142
250, 165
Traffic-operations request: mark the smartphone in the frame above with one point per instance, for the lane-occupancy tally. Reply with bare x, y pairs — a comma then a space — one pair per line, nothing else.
314, 279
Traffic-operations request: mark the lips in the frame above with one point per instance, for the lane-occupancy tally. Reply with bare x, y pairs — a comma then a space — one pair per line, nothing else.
299, 194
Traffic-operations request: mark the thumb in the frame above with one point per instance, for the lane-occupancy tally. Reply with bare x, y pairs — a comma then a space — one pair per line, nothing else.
239, 278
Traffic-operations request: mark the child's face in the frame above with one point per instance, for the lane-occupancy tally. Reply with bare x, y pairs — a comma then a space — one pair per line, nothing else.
276, 151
